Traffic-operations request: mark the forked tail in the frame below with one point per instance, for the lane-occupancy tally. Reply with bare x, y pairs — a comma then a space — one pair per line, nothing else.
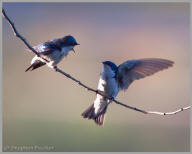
97, 115
35, 65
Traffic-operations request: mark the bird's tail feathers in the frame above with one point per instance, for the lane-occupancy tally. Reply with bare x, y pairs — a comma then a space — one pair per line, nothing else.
35, 65
98, 117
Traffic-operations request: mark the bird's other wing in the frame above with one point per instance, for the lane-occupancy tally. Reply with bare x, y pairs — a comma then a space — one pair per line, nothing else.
136, 69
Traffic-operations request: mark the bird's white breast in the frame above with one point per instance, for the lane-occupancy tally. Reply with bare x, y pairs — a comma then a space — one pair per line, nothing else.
101, 84
65, 50
109, 86
57, 55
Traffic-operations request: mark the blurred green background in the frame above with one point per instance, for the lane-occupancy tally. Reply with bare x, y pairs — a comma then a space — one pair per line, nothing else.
44, 108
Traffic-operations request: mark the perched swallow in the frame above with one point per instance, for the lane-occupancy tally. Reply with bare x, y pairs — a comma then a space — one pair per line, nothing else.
54, 51
114, 79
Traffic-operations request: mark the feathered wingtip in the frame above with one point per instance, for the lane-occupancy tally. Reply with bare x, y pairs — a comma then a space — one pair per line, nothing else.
98, 118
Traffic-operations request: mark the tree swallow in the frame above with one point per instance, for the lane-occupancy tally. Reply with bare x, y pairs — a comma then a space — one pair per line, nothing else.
113, 79
54, 51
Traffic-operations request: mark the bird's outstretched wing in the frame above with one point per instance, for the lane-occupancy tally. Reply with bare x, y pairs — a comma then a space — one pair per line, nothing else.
48, 47
136, 69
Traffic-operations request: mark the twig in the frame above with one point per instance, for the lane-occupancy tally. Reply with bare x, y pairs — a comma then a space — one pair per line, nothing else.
16, 33
169, 113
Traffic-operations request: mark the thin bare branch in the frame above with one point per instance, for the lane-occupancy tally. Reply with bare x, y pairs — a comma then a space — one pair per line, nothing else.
169, 113
16, 33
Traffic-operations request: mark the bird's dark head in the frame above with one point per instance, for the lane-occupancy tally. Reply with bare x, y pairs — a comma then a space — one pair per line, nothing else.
69, 41
111, 65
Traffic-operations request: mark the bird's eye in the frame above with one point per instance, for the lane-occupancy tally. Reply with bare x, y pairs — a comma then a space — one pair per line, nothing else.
109, 64
73, 44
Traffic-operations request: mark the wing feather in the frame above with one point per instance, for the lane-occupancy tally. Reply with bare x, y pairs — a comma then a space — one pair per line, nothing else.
48, 47
136, 69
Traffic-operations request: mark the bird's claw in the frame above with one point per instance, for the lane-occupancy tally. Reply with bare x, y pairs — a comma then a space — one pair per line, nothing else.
111, 98
55, 68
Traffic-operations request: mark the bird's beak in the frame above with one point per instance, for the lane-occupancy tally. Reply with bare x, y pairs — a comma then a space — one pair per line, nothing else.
77, 44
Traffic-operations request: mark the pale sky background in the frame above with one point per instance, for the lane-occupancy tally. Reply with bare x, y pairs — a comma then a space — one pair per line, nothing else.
44, 108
